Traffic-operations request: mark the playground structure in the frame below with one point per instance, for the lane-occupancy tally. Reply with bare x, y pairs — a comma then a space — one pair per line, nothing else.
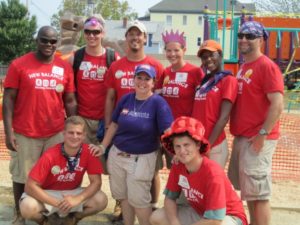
71, 27
282, 46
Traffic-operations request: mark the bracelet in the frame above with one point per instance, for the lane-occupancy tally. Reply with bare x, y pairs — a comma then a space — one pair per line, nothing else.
102, 147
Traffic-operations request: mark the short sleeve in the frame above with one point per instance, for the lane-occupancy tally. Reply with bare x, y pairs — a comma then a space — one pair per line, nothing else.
172, 189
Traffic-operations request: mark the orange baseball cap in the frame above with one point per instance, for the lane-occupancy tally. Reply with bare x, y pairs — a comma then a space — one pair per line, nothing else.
210, 45
186, 124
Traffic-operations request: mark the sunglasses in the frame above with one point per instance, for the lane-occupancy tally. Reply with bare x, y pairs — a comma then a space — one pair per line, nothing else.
47, 41
247, 36
94, 32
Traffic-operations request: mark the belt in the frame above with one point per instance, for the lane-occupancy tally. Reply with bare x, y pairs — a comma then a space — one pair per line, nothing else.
127, 155
124, 154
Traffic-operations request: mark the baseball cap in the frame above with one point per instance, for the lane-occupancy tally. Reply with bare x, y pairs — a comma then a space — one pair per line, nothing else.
210, 45
186, 124
149, 70
138, 25
253, 27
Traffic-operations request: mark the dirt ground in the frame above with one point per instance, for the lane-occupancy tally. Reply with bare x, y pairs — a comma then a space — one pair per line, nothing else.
285, 202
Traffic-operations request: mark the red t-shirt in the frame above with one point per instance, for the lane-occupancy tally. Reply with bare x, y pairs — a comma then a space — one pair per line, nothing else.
178, 88
121, 74
91, 90
207, 107
39, 107
255, 80
51, 170
206, 190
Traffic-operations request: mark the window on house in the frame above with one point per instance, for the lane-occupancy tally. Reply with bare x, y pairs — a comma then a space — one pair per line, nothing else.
184, 20
169, 20
150, 36
149, 40
198, 41
199, 20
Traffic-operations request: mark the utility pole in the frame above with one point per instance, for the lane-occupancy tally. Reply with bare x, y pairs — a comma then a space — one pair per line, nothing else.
90, 7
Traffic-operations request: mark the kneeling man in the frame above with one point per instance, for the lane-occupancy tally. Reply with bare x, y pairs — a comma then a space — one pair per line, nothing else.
210, 195
53, 191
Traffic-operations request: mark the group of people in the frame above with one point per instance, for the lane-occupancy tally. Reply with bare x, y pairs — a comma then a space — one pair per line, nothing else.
123, 115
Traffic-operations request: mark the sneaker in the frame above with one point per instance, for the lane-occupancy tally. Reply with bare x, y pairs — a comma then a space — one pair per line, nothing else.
117, 210
70, 219
18, 220
54, 219
115, 219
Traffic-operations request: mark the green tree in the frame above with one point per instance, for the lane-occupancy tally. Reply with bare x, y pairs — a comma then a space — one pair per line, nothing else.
17, 30
109, 9
283, 7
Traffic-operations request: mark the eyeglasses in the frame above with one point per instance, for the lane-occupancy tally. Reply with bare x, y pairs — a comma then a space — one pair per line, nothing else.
247, 36
46, 41
94, 32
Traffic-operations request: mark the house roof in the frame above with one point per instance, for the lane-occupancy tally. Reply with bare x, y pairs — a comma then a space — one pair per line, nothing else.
196, 6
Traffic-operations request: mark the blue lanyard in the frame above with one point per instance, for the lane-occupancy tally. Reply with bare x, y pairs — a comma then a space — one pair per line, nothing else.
72, 161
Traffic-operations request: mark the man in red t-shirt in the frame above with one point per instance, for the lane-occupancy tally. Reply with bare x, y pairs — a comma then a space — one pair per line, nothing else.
210, 195
119, 80
53, 190
39, 92
255, 123
89, 76
120, 76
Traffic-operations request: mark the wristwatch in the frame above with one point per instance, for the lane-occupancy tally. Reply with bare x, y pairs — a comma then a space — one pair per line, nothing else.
262, 131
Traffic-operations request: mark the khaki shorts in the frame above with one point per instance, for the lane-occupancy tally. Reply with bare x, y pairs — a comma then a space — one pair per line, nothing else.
29, 151
130, 176
219, 153
251, 172
187, 216
49, 209
91, 131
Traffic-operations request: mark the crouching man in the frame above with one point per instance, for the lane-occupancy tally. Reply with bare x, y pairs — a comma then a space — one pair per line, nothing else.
210, 195
53, 192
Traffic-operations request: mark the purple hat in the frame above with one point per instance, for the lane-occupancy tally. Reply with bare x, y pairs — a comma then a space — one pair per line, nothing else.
253, 27
149, 70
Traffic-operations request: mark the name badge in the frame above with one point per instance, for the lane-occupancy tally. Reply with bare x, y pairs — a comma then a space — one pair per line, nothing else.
85, 66
181, 77
183, 182
58, 70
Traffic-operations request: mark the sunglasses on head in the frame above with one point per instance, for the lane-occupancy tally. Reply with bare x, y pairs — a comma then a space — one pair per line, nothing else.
46, 41
94, 32
247, 36
94, 18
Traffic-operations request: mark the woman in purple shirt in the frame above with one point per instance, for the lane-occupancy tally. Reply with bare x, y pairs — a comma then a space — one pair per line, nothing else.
137, 122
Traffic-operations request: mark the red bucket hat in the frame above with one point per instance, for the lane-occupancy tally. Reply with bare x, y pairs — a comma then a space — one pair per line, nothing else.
186, 124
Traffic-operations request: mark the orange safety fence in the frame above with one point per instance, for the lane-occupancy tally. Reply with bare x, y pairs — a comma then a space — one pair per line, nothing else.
286, 160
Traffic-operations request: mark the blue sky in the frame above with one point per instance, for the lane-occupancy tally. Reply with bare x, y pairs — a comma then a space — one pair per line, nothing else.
44, 9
